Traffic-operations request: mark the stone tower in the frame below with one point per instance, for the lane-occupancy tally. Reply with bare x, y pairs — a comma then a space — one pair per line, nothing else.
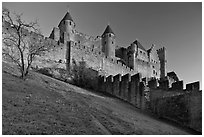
131, 56
67, 28
162, 58
108, 42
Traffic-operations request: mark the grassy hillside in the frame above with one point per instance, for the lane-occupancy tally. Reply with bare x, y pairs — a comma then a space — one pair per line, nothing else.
42, 105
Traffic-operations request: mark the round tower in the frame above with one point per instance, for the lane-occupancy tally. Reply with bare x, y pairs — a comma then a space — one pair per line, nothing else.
108, 42
67, 28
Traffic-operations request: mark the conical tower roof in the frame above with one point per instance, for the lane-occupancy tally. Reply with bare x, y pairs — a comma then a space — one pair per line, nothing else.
108, 30
67, 17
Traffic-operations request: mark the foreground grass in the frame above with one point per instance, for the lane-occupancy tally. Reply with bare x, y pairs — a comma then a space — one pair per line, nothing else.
42, 105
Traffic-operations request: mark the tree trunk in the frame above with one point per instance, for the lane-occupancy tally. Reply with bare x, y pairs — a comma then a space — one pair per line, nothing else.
27, 70
22, 73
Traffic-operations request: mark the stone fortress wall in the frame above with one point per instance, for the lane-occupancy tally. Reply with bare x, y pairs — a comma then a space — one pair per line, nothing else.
53, 57
100, 54
183, 106
56, 56
89, 49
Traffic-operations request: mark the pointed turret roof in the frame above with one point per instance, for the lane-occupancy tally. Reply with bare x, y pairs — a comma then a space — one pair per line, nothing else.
108, 30
67, 17
139, 45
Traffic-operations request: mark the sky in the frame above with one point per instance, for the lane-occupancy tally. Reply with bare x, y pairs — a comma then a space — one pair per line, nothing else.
176, 26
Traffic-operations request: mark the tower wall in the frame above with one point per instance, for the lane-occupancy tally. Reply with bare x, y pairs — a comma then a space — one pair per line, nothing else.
108, 44
67, 27
162, 58
131, 56
154, 63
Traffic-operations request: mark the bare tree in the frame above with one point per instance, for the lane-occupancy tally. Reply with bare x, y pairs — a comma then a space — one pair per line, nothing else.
20, 47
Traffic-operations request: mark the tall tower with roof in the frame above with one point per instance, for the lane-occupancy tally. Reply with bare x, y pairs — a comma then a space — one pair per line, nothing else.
108, 42
67, 28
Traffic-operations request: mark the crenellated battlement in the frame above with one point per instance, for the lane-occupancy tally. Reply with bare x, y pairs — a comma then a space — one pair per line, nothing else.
161, 49
128, 88
176, 86
195, 86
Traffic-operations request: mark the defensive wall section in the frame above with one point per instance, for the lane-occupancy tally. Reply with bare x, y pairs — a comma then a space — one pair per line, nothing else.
96, 60
143, 67
89, 49
78, 37
128, 88
55, 55
183, 106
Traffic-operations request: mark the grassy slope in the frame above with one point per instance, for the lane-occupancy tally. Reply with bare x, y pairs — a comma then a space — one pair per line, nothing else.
42, 105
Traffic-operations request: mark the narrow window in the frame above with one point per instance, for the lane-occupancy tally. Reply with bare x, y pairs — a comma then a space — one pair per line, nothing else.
60, 61
112, 42
105, 42
109, 35
140, 51
70, 23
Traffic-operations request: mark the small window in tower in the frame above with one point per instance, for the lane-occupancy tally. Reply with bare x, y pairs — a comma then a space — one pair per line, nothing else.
156, 73
105, 42
153, 71
152, 66
140, 51
70, 23
109, 35
60, 61
112, 42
